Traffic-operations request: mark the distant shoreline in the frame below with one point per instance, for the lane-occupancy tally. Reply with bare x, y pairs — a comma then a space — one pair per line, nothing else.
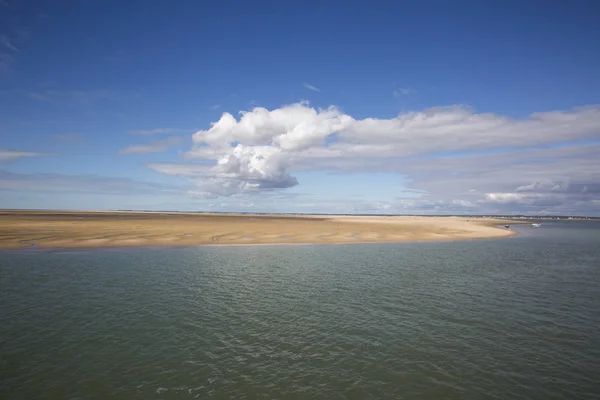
21, 229
517, 218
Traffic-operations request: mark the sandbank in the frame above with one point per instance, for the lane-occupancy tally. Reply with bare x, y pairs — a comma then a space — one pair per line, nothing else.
80, 229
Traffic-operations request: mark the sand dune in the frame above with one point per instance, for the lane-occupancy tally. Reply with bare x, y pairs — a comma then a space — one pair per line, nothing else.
58, 229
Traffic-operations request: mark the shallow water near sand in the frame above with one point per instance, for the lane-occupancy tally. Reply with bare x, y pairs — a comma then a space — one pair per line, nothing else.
512, 318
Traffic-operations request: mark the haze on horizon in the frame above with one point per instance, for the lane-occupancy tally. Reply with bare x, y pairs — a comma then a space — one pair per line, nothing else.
425, 107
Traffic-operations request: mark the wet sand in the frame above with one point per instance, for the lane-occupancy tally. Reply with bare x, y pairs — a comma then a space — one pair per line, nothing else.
72, 229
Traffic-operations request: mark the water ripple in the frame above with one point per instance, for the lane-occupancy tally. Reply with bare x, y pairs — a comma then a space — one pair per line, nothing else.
502, 319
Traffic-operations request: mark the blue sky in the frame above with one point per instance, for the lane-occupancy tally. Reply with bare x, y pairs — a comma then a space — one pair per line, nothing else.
426, 107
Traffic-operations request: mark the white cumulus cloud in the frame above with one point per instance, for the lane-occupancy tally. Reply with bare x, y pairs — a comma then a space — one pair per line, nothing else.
435, 149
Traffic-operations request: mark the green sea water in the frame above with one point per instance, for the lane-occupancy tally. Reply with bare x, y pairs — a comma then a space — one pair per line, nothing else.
514, 318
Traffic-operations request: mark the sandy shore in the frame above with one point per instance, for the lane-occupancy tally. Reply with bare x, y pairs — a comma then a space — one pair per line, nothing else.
60, 229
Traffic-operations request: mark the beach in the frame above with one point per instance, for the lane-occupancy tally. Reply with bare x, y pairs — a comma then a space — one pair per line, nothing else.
75, 229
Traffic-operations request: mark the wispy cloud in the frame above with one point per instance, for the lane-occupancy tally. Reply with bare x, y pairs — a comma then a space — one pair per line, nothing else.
7, 42
117, 57
6, 61
215, 107
40, 96
10, 43
75, 138
82, 96
10, 155
399, 92
196, 169
311, 87
62, 183
158, 146
157, 131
